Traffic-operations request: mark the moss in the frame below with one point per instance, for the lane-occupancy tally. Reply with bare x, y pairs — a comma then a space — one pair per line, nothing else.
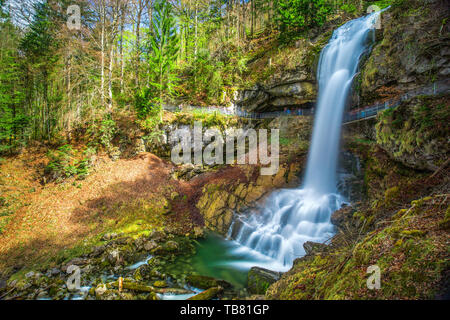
204, 282
133, 286
160, 284
414, 126
207, 294
390, 194
411, 259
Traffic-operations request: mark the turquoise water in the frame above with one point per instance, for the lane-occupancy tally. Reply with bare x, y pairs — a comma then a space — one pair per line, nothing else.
221, 259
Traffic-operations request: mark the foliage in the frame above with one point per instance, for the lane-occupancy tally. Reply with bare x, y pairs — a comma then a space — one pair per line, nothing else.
13, 120
299, 15
107, 131
63, 164
162, 49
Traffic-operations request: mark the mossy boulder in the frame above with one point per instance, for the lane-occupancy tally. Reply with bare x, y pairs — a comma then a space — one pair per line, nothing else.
260, 279
312, 248
205, 282
207, 294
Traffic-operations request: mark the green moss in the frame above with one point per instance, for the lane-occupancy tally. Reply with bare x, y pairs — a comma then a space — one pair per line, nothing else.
410, 259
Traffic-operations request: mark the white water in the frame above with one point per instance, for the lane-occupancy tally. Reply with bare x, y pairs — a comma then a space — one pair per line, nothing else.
292, 217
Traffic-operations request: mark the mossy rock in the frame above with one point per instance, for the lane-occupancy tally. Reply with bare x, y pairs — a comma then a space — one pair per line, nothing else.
204, 282
160, 284
260, 279
207, 294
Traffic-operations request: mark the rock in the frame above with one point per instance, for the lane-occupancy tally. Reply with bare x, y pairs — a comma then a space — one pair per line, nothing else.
133, 286
213, 205
3, 285
150, 245
158, 236
97, 251
160, 284
145, 272
207, 294
256, 297
420, 142
343, 216
172, 291
199, 232
77, 262
204, 282
168, 247
54, 272
100, 290
109, 236
172, 246
12, 284
29, 275
260, 279
312, 248
291, 93
407, 51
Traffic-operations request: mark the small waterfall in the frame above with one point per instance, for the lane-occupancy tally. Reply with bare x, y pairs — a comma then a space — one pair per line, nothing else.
292, 217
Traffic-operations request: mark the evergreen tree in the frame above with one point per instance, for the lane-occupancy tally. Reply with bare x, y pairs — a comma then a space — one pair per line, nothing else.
40, 46
162, 50
12, 118
298, 15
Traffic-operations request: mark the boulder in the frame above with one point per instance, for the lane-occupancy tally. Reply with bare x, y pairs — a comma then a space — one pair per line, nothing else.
312, 248
207, 294
145, 272
343, 217
204, 282
260, 279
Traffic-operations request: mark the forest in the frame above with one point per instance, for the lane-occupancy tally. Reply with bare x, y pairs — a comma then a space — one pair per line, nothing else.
132, 56
346, 101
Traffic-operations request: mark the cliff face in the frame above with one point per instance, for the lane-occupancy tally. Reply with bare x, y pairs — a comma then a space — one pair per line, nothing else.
284, 76
412, 50
416, 133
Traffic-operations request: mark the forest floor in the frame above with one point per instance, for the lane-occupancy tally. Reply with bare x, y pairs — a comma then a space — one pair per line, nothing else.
40, 221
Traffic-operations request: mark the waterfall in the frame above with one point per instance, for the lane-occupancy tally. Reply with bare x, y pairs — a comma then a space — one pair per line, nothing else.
291, 217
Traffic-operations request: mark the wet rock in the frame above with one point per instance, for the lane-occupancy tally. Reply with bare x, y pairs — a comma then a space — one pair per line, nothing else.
168, 247
173, 291
204, 282
160, 284
402, 60
145, 272
207, 294
259, 280
312, 248
133, 286
343, 217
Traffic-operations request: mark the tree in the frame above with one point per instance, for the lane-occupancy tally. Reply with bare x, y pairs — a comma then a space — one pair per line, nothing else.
162, 49
13, 120
40, 46
298, 15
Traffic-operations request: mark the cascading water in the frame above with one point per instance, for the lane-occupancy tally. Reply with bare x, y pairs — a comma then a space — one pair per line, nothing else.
278, 231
